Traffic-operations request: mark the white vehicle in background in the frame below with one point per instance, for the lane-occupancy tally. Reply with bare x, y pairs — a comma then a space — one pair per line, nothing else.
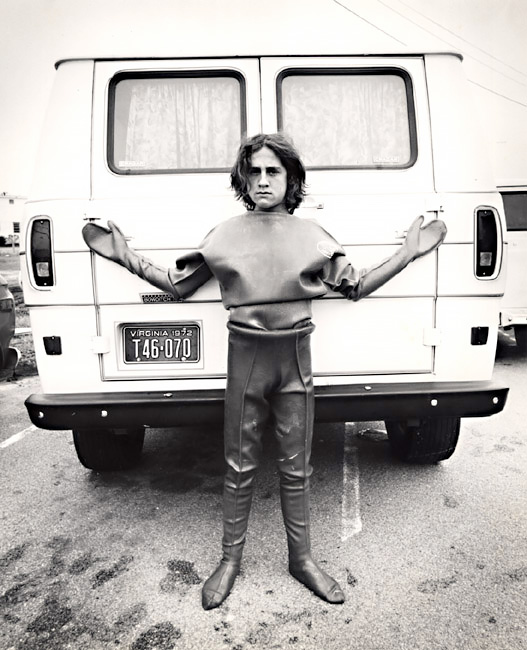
8, 355
148, 143
513, 312
11, 215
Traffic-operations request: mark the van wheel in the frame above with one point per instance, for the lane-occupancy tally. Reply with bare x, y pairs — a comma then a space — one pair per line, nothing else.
423, 441
520, 333
105, 450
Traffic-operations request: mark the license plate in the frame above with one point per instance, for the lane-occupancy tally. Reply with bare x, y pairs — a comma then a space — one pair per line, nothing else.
162, 343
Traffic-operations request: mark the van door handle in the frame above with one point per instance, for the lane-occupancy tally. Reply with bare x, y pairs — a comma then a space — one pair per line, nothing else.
313, 204
434, 212
434, 203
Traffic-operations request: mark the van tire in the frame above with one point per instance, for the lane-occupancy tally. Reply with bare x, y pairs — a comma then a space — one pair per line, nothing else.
520, 333
423, 441
105, 450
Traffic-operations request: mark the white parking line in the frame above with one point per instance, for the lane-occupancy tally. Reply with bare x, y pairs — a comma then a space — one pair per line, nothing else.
17, 436
351, 521
22, 330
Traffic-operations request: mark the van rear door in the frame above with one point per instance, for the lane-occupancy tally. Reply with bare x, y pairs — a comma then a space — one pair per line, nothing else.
165, 135
362, 127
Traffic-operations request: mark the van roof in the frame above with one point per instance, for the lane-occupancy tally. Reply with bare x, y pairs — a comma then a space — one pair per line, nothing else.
212, 29
391, 54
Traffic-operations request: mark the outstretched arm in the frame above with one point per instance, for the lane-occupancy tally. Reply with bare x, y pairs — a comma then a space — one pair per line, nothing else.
107, 242
419, 241
110, 242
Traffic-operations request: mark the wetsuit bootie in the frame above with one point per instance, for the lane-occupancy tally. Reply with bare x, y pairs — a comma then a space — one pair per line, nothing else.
308, 572
237, 498
219, 585
294, 495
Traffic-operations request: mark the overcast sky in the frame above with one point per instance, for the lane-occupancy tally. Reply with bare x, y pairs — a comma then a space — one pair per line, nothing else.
36, 33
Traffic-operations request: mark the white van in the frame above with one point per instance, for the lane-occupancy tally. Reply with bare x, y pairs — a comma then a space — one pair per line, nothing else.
149, 143
513, 312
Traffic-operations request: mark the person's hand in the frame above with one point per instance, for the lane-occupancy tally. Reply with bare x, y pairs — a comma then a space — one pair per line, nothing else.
108, 242
421, 240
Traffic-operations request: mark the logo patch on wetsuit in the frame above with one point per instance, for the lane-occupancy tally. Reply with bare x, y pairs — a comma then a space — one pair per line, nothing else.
327, 248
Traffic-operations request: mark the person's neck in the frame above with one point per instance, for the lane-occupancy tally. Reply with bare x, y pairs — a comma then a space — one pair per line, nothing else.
283, 212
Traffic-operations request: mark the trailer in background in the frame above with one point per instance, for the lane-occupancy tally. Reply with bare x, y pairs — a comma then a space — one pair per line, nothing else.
513, 313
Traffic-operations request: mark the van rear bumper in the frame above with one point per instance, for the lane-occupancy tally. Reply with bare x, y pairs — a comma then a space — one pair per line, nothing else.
353, 403
511, 317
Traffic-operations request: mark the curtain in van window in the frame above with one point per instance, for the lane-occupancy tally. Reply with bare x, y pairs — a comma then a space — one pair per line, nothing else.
176, 123
348, 120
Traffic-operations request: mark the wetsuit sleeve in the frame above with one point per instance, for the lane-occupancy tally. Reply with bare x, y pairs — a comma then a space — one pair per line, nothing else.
339, 274
190, 272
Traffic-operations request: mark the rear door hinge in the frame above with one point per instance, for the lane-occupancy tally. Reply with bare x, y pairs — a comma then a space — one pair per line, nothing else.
100, 344
431, 336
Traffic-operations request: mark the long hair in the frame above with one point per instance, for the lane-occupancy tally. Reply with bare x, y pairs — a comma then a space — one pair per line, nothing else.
290, 159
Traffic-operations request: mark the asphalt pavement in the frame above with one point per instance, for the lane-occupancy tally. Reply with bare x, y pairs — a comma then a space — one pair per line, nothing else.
429, 557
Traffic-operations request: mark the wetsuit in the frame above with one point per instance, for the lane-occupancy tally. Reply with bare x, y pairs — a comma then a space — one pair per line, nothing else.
269, 267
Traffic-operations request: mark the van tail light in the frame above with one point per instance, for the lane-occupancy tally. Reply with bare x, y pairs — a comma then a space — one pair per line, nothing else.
488, 243
41, 252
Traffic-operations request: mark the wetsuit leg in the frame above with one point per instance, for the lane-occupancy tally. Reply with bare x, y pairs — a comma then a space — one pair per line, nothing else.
293, 411
246, 411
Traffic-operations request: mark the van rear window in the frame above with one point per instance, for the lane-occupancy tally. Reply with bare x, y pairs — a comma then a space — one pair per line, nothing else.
515, 205
166, 123
349, 118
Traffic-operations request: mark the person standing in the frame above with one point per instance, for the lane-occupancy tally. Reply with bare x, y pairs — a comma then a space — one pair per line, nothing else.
270, 265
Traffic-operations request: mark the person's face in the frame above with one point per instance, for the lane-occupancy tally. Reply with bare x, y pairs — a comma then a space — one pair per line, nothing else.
267, 181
